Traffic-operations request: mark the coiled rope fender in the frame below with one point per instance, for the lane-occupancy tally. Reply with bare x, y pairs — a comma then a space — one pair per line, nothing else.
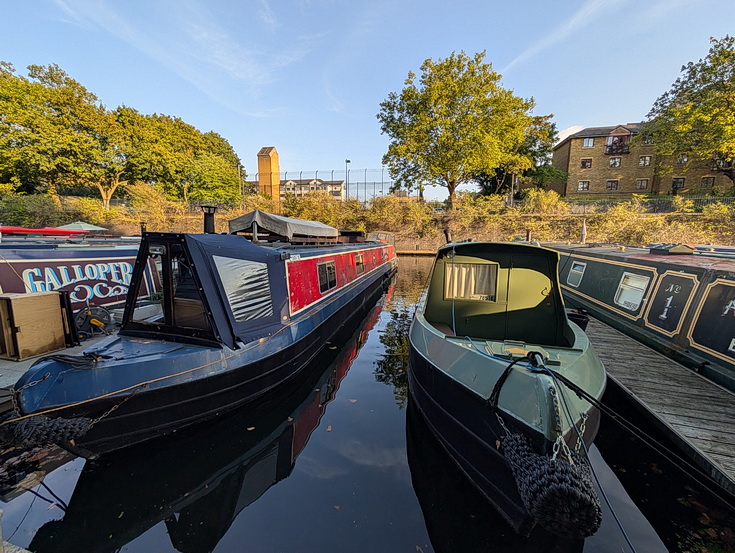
41, 430
559, 495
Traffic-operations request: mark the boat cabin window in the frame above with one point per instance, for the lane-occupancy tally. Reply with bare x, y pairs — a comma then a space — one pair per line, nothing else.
631, 290
327, 276
179, 302
576, 272
359, 264
247, 287
470, 281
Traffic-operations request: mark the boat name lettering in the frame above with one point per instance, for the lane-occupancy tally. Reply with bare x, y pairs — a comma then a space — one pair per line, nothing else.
729, 307
675, 288
732, 346
46, 279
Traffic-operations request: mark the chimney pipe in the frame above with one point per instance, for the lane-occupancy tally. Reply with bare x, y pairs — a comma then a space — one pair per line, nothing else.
209, 218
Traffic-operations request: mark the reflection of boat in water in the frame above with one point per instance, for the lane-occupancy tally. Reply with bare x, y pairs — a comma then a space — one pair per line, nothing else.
199, 479
677, 299
488, 345
459, 518
234, 320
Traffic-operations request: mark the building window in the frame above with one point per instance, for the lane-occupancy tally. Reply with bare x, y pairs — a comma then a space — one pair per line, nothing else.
641, 184
583, 185
615, 162
327, 276
574, 278
707, 182
611, 185
682, 159
631, 290
648, 139
677, 183
586, 163
644, 161
588, 143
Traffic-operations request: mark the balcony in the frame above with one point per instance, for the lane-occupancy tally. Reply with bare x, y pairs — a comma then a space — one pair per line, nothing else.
617, 149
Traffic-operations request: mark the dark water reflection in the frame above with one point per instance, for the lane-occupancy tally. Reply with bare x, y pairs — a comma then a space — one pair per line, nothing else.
337, 462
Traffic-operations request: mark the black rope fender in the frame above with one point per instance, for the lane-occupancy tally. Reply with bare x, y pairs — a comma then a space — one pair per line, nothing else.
42, 430
558, 491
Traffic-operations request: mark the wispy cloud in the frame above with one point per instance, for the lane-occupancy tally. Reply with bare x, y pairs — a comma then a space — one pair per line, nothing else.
267, 15
195, 46
584, 17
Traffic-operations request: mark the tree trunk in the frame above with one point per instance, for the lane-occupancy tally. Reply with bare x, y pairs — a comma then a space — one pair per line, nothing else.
451, 187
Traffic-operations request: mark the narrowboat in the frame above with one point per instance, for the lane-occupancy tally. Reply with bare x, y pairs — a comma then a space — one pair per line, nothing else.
490, 344
675, 298
234, 460
94, 271
233, 319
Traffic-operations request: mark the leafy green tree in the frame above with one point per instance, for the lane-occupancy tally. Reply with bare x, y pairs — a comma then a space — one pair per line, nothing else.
49, 126
453, 122
696, 115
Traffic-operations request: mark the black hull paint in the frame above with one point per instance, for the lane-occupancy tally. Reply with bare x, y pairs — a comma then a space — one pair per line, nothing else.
467, 430
149, 414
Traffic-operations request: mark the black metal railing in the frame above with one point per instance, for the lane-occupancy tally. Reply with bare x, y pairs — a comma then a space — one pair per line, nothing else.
618, 148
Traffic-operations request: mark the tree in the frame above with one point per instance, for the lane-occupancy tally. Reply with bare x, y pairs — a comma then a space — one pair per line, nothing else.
532, 162
49, 127
697, 115
452, 123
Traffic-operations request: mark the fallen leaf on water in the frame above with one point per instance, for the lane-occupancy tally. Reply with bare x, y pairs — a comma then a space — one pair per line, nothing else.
353, 401
497, 444
251, 428
332, 347
121, 514
290, 419
419, 549
337, 507
329, 428
72, 442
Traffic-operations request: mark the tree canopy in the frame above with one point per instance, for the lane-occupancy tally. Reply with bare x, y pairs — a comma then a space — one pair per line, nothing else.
56, 135
697, 115
454, 122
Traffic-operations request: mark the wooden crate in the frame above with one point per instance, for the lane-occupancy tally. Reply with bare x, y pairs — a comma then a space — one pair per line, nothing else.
32, 324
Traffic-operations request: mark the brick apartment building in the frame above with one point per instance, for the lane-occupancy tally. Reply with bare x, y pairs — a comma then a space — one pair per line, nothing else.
602, 160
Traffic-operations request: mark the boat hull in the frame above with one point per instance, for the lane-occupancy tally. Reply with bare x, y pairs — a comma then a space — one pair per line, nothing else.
462, 423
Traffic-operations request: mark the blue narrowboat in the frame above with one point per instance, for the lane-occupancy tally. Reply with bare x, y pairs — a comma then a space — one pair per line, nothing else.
234, 318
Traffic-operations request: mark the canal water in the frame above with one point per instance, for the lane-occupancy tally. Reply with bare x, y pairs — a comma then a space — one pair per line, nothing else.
337, 462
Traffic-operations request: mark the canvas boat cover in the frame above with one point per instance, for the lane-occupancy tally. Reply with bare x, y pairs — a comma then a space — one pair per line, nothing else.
282, 226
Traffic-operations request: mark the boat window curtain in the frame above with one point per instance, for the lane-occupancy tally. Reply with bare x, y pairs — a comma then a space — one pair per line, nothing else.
247, 287
470, 281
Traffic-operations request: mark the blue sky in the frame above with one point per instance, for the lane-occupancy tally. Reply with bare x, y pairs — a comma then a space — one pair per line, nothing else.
307, 76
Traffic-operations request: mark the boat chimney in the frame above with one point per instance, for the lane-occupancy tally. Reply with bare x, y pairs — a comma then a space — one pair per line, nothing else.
209, 218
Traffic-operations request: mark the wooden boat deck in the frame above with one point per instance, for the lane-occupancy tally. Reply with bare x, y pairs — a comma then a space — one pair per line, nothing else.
695, 413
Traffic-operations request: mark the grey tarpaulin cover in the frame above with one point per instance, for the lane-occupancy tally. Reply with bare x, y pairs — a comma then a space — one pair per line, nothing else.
283, 226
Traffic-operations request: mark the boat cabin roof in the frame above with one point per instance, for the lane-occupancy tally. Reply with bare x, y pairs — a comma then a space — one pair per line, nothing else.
215, 287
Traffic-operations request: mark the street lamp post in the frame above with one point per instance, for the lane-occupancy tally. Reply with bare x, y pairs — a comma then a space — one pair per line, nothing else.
347, 178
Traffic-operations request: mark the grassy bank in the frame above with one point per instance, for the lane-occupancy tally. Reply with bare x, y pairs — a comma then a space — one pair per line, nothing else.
417, 225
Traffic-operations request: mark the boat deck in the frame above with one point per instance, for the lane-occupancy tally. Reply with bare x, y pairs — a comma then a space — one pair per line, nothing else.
694, 412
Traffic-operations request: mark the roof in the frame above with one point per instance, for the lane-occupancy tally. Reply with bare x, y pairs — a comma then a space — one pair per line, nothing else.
633, 128
282, 226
